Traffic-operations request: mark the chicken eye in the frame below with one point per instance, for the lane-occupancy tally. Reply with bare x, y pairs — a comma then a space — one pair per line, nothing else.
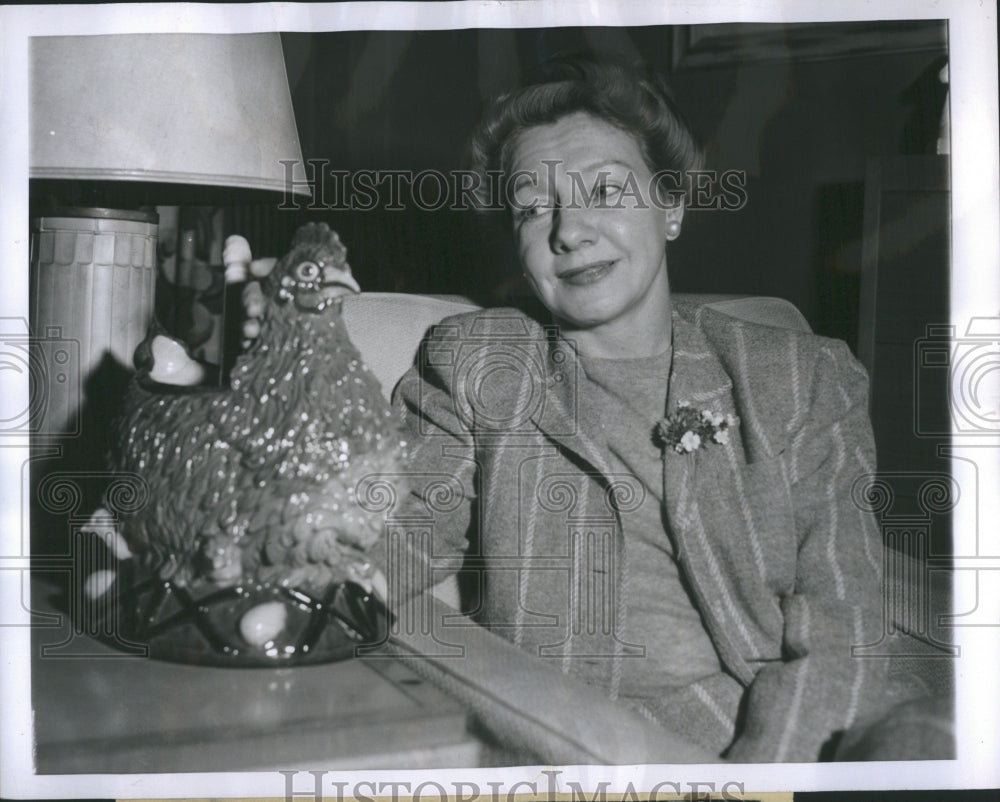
307, 271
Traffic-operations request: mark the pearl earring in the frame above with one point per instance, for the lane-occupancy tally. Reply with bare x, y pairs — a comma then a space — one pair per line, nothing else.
673, 230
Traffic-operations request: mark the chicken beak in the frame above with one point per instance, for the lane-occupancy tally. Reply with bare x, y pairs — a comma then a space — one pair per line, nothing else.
334, 277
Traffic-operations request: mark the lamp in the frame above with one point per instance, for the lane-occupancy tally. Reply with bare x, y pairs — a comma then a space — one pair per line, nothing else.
169, 118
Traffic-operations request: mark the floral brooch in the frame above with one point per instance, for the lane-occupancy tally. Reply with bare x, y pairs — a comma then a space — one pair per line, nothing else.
688, 428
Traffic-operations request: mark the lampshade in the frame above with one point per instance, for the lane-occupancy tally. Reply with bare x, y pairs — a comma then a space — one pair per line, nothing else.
204, 109
176, 118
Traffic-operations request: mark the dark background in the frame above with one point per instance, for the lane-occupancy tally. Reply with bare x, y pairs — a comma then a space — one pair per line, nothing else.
801, 109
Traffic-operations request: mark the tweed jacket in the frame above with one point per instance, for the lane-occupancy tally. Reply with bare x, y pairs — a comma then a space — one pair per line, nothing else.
782, 566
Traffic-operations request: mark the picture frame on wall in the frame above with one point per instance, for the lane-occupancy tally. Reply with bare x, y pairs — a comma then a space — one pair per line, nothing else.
723, 44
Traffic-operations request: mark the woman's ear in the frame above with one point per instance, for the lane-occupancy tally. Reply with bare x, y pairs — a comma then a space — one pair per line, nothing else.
674, 216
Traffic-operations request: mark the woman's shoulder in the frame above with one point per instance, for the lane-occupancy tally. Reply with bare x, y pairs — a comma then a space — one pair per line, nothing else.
778, 369
761, 342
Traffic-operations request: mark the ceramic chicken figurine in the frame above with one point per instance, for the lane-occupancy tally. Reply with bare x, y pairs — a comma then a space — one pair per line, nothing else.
255, 483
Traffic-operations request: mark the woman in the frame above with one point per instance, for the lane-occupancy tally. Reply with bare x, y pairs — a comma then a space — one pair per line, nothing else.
719, 589
656, 498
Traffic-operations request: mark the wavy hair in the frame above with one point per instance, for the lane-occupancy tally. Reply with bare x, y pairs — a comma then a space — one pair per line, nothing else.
627, 96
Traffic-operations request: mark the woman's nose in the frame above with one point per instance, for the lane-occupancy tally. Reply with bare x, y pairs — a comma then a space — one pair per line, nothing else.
572, 228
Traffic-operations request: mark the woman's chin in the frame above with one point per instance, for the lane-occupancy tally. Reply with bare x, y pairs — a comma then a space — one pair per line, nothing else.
586, 318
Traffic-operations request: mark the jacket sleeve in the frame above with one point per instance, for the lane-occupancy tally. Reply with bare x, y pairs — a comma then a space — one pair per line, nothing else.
427, 530
796, 706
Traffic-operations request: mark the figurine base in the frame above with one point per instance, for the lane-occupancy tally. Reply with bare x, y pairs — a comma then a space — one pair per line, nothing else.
243, 625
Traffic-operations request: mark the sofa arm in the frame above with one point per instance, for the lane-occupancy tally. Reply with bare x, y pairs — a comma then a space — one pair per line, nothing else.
387, 328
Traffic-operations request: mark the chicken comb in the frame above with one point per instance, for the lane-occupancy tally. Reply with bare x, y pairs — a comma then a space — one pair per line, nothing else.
314, 240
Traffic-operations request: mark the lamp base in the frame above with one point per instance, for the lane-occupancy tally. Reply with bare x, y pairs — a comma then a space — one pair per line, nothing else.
93, 277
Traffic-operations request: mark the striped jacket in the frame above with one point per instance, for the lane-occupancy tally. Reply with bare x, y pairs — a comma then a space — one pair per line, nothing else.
783, 568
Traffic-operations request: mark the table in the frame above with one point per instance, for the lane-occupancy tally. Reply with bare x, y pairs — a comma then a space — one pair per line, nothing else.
98, 710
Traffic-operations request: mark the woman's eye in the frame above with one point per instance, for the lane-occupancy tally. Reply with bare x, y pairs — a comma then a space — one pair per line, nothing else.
307, 271
606, 192
532, 212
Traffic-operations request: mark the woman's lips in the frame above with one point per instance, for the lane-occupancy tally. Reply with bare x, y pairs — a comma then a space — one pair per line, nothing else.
588, 274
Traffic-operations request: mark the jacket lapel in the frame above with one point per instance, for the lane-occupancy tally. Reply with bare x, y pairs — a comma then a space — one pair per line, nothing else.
558, 416
703, 476
696, 378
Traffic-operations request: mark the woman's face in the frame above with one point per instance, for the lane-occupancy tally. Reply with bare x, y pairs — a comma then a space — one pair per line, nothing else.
590, 239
